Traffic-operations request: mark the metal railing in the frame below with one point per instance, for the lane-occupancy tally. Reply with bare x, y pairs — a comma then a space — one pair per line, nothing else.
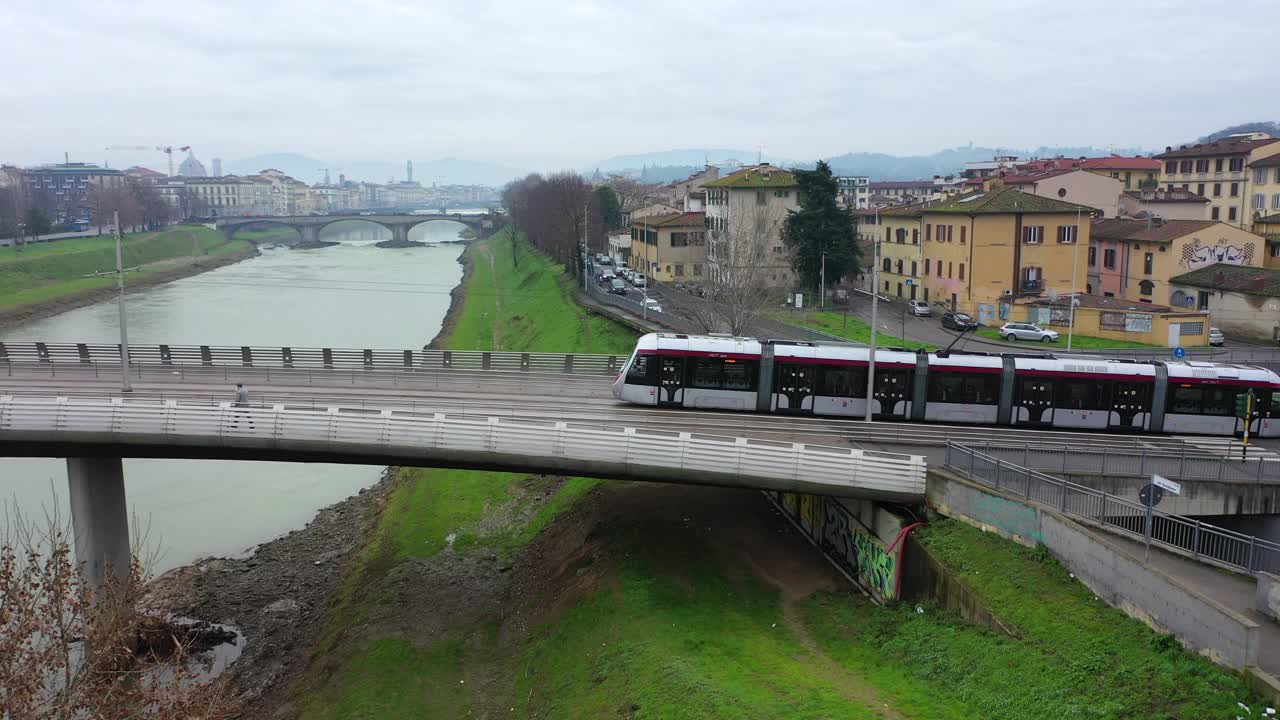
464, 441
1108, 461
1202, 541
326, 358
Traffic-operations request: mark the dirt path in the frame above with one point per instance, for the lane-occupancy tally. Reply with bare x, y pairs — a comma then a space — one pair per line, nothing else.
487, 254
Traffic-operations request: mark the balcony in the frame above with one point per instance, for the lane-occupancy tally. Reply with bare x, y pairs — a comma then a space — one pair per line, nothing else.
1031, 286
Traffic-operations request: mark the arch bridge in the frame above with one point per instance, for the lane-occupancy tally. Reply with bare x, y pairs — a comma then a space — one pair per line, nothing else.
309, 226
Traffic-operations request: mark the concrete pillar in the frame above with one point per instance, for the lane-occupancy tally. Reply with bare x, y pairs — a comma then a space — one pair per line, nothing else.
100, 517
400, 234
310, 234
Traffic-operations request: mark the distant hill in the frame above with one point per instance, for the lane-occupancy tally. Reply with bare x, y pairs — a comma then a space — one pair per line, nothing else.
1271, 128
694, 158
446, 171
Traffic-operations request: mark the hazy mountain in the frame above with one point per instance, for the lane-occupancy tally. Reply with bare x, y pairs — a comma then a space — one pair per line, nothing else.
1271, 128
695, 158
446, 171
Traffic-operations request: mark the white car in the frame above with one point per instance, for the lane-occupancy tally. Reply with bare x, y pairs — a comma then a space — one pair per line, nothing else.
1026, 331
652, 305
1216, 338
919, 308
639, 280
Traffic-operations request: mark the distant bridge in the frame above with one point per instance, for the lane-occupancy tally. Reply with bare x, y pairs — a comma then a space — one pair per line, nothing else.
309, 226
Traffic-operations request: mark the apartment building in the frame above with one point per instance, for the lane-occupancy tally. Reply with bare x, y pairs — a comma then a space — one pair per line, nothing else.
673, 247
745, 217
1264, 187
1134, 259
987, 250
1175, 204
854, 191
64, 190
1134, 173
901, 258
1073, 185
1226, 172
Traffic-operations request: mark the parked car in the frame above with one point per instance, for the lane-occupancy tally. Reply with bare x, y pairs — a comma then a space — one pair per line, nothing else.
639, 280
959, 321
652, 305
1027, 331
617, 287
1216, 338
919, 308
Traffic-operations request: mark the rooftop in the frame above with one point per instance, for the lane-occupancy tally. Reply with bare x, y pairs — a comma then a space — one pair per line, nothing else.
1237, 278
1142, 231
900, 184
1221, 147
757, 176
913, 210
1120, 162
1269, 219
1101, 302
1007, 200
1160, 195
1273, 161
689, 219
73, 169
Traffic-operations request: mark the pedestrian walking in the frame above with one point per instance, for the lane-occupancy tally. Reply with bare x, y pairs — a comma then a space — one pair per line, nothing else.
241, 406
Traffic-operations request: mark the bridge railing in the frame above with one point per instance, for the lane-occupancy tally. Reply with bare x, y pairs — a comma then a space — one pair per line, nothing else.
465, 441
1081, 459
1183, 535
314, 358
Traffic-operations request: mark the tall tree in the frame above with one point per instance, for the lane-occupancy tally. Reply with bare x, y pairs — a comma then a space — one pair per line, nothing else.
821, 228
610, 207
37, 222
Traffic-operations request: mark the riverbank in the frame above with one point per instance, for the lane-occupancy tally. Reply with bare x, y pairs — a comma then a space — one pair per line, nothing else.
47, 280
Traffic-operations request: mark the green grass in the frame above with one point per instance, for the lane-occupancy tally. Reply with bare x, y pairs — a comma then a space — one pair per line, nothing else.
849, 327
1075, 656
392, 675
1078, 342
261, 236
50, 271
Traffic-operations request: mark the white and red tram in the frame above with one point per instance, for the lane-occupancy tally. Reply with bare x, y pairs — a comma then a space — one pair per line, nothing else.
803, 378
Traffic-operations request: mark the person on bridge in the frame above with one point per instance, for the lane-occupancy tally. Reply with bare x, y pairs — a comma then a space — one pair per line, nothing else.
242, 401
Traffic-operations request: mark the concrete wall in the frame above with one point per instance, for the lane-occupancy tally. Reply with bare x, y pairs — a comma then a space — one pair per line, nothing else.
1199, 497
925, 578
1120, 579
1267, 600
1237, 314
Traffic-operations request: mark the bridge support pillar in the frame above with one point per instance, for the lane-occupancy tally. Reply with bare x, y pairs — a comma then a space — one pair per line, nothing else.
100, 518
400, 234
310, 234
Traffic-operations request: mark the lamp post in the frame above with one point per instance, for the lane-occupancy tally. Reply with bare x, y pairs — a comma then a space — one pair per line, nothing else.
1075, 264
124, 326
875, 295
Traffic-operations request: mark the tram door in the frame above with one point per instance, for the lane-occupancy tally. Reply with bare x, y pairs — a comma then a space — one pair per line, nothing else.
1128, 401
795, 385
1033, 404
670, 381
892, 391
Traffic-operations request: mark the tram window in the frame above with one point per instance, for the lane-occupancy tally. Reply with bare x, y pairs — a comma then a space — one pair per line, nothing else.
964, 388
706, 374
717, 374
1202, 400
1082, 395
842, 382
739, 375
1273, 408
641, 371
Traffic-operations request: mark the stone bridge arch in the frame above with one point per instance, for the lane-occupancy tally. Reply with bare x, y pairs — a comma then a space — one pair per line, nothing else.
308, 227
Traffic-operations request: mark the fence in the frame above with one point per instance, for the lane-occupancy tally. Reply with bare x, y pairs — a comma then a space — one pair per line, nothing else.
1200, 540
592, 449
1138, 462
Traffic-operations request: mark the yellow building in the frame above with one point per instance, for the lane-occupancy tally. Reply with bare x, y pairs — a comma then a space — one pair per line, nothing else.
988, 250
1134, 259
1235, 173
901, 261
670, 248
1268, 228
1120, 319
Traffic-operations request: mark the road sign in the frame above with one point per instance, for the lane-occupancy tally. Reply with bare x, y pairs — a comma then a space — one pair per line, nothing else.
799, 301
1179, 353
1166, 484
1150, 495
910, 282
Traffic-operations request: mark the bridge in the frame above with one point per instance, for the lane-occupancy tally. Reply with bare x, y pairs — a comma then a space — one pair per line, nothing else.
309, 226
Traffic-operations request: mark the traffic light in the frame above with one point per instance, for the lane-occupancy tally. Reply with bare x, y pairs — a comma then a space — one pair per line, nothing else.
1243, 406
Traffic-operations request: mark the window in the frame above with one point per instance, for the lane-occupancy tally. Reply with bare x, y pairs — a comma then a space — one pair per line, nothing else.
939, 268
1200, 189
1237, 164
1190, 328
1217, 189
1147, 262
1146, 286
679, 270
887, 264
1186, 187
913, 268
961, 276
902, 236
899, 267
1067, 233
926, 266
1171, 167
641, 371
915, 236
1202, 165
949, 268
1109, 259
964, 388
841, 382
1260, 176
1275, 252
1187, 165
1214, 213
1235, 189
697, 269
928, 233
1259, 201
761, 199
963, 229
1032, 234
679, 239
722, 374
1275, 201
1082, 395
1093, 255
1186, 399
1217, 165
1231, 214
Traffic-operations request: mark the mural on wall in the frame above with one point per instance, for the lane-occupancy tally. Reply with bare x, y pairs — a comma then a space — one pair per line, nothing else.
834, 529
1196, 255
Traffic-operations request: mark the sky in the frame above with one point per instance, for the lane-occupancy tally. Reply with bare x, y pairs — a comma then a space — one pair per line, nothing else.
547, 85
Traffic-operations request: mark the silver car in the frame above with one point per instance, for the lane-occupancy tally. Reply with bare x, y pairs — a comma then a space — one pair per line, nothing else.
1027, 331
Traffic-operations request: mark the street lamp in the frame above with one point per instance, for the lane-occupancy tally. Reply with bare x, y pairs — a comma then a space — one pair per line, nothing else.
875, 296
1075, 264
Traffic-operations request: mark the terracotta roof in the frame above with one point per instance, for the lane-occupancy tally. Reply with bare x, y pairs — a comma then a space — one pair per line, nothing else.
1221, 147
1236, 278
907, 210
1029, 178
901, 184
1101, 302
1119, 162
757, 176
689, 219
1140, 231
1273, 161
1007, 200
1269, 219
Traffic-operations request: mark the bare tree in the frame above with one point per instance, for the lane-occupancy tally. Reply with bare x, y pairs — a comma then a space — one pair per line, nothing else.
107, 201
632, 194
739, 278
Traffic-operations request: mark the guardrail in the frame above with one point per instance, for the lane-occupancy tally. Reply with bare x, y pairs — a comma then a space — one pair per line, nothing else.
1138, 462
592, 449
327, 358
1202, 541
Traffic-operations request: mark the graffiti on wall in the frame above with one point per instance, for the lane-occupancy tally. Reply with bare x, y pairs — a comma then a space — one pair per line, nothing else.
1196, 255
856, 550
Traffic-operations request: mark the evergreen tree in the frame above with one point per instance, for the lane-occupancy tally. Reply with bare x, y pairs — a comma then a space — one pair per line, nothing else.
37, 223
610, 208
820, 226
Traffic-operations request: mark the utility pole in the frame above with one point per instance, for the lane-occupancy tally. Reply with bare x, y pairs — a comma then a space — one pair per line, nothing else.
124, 325
822, 283
1075, 264
875, 296
648, 271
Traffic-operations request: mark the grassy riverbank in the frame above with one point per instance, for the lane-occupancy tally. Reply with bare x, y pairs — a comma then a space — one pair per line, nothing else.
50, 272
502, 595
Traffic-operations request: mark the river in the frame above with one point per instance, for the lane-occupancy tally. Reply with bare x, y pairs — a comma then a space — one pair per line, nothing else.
350, 295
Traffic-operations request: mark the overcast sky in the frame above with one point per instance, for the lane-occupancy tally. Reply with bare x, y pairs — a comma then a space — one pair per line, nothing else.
554, 84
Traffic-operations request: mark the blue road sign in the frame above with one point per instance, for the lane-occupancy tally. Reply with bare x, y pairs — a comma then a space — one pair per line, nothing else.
1179, 353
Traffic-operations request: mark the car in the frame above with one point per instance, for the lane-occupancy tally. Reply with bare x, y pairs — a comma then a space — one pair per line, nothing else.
652, 305
639, 280
606, 261
919, 308
1027, 331
617, 287
959, 321
1216, 338
621, 266
604, 278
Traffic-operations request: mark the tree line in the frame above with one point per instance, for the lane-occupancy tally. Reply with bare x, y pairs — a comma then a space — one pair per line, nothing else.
30, 213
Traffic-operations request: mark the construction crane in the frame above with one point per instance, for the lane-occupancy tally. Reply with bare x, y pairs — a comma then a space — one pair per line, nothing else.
166, 149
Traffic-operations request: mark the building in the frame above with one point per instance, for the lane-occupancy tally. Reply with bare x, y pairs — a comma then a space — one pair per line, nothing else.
990, 168
988, 250
901, 192
1134, 259
212, 196
1241, 301
64, 192
672, 247
1120, 319
1225, 172
1073, 185
191, 167
854, 191
901, 256
1268, 228
1264, 187
746, 215
217, 167
1176, 204
650, 210
1134, 173
683, 194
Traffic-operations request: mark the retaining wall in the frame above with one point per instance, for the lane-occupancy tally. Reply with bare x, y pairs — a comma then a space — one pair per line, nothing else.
1267, 599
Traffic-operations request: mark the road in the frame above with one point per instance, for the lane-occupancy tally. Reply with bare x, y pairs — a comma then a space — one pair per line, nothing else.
6, 242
